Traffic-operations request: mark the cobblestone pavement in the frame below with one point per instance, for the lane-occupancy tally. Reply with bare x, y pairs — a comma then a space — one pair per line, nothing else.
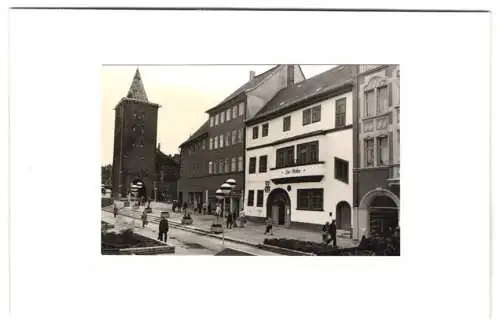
185, 242
252, 232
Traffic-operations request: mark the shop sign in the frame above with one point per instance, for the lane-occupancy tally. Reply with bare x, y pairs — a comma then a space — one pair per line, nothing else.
294, 171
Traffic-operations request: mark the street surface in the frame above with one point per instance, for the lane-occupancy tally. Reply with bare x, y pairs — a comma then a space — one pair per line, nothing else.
185, 242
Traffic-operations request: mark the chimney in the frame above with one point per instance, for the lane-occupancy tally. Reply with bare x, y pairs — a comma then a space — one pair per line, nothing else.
290, 75
252, 75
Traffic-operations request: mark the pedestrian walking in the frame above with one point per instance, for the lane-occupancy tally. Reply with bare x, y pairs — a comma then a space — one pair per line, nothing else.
115, 211
332, 230
185, 207
269, 226
326, 233
204, 208
144, 218
218, 210
229, 221
163, 229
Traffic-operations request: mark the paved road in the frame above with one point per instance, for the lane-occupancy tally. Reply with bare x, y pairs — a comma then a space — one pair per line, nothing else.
252, 233
185, 242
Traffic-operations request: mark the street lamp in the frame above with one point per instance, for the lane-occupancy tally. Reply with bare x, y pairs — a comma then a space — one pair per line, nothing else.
219, 195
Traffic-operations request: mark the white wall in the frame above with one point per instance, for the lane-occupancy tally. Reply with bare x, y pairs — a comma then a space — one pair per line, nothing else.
334, 144
276, 125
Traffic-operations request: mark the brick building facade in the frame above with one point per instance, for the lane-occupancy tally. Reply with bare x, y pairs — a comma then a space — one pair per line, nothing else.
134, 154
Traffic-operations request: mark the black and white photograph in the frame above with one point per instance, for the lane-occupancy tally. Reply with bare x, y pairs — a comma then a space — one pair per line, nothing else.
290, 160
238, 167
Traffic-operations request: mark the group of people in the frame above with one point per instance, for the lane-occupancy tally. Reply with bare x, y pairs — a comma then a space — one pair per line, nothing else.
163, 226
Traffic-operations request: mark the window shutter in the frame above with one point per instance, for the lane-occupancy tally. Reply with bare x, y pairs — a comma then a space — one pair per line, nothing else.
390, 94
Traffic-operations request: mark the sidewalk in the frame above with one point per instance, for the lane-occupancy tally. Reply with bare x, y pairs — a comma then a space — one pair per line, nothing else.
251, 233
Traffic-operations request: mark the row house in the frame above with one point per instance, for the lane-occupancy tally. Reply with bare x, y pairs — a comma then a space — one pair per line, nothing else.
376, 149
222, 142
299, 153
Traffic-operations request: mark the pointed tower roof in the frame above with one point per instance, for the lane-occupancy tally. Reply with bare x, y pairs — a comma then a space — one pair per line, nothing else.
137, 90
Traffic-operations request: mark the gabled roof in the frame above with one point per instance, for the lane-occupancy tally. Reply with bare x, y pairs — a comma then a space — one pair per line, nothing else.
247, 86
136, 90
199, 132
164, 159
316, 85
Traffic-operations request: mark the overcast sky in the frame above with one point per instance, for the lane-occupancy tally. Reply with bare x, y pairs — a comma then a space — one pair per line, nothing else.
184, 93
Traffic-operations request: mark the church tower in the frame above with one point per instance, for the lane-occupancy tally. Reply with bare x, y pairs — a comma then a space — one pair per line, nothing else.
134, 152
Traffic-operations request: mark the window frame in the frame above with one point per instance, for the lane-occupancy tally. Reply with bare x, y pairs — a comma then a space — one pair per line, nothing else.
284, 154
311, 195
252, 165
265, 130
379, 140
233, 164
241, 163
366, 142
316, 111
260, 198
340, 114
310, 147
339, 164
255, 132
306, 117
221, 141
367, 103
251, 198
287, 121
263, 164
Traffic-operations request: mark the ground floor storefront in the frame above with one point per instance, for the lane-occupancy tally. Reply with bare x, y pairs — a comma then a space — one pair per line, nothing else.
199, 193
378, 213
306, 205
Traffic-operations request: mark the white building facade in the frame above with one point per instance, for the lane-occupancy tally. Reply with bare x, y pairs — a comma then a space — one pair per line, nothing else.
299, 161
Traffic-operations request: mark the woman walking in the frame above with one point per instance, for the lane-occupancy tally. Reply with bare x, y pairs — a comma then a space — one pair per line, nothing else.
269, 227
144, 218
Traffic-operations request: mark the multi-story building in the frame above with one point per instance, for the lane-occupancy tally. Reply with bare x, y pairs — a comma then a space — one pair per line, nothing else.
299, 153
376, 149
223, 134
193, 167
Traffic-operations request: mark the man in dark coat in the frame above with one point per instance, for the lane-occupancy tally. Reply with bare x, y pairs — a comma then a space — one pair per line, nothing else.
333, 232
229, 222
163, 230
